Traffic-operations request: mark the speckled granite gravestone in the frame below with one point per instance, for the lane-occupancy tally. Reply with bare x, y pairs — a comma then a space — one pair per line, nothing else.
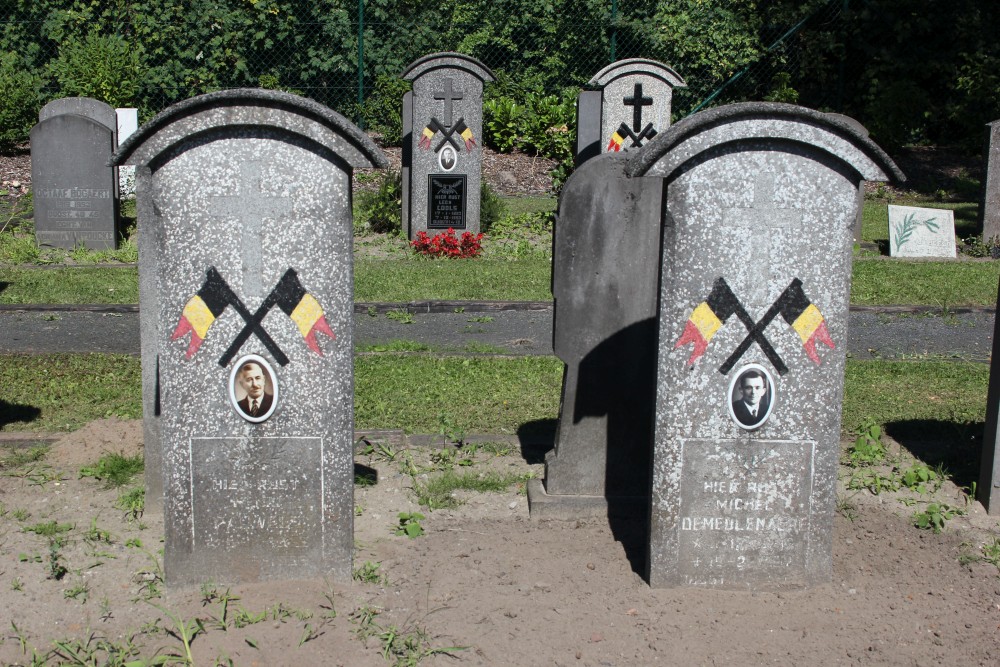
442, 138
75, 191
246, 305
989, 209
635, 102
755, 283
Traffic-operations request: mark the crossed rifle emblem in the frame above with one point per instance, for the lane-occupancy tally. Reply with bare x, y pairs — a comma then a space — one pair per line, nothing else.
215, 296
793, 305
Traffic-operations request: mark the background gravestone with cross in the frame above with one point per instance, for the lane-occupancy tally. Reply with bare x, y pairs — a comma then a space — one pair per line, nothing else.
442, 143
246, 295
755, 276
630, 105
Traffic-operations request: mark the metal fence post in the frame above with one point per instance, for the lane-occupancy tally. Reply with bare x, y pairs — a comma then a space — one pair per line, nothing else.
614, 28
361, 63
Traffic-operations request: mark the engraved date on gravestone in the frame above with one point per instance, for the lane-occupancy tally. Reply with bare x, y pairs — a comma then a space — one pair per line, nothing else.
446, 201
745, 509
263, 492
74, 208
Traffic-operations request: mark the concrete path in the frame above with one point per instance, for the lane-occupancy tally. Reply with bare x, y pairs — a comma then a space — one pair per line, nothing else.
888, 333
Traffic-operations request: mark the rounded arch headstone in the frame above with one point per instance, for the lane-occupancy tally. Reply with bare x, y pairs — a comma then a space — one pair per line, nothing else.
755, 271
442, 143
246, 287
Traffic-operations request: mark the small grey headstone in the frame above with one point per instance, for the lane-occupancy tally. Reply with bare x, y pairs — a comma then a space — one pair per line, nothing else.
754, 291
921, 232
635, 105
442, 158
989, 209
75, 190
246, 295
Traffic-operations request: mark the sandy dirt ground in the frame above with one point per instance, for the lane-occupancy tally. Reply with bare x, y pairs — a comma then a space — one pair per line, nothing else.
485, 580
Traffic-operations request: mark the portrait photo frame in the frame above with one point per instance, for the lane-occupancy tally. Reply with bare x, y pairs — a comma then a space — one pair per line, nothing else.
238, 395
735, 397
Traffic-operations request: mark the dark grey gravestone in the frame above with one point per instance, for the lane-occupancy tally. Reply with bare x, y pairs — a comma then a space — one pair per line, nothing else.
95, 110
604, 280
442, 153
755, 283
75, 191
635, 104
989, 209
244, 204
989, 465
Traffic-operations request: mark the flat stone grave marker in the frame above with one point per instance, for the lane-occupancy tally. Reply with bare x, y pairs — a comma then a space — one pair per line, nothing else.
246, 302
989, 209
75, 190
630, 105
921, 232
442, 136
754, 291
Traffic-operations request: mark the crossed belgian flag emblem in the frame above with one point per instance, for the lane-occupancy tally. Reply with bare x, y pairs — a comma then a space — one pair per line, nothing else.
215, 295
793, 305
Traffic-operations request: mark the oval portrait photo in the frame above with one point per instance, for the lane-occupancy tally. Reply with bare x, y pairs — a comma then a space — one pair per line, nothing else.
253, 388
447, 158
751, 396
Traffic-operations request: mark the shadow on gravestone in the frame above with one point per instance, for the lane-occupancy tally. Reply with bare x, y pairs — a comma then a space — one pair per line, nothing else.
754, 294
246, 282
605, 276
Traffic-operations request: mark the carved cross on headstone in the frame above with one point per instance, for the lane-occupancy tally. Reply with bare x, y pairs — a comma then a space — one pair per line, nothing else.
449, 96
250, 208
766, 226
637, 102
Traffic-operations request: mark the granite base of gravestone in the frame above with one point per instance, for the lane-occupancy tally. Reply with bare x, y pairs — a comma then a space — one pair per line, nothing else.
443, 134
246, 295
75, 190
989, 209
921, 232
753, 305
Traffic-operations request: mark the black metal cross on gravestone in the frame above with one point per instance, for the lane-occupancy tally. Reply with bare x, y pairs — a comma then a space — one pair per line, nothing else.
449, 96
637, 102
251, 208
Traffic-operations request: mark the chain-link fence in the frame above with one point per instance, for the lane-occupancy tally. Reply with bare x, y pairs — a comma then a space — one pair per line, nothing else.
129, 54
348, 54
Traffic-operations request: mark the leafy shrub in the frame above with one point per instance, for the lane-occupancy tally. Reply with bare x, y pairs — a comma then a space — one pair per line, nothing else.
383, 209
104, 67
491, 207
381, 111
502, 119
18, 101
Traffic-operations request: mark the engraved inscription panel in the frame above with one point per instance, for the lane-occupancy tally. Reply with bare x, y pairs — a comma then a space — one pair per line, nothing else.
446, 203
745, 511
262, 493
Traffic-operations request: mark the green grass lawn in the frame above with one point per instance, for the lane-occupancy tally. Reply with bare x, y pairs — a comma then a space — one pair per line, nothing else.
423, 393
521, 271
